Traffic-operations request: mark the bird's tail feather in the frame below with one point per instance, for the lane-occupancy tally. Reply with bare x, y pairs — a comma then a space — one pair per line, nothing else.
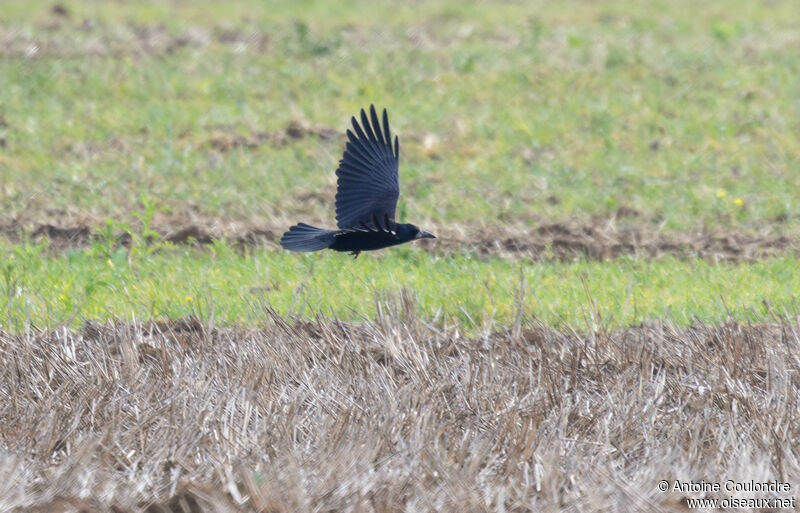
303, 237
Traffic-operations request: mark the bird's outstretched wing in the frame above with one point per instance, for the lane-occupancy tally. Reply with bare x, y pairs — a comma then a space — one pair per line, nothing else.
366, 198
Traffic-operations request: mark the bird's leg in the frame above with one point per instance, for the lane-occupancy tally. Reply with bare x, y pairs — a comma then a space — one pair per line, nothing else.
355, 254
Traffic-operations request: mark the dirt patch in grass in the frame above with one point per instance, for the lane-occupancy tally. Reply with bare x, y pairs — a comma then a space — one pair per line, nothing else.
224, 140
392, 414
64, 36
601, 240
598, 240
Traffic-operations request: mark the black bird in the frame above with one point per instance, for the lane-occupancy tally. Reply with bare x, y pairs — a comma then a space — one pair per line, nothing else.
366, 197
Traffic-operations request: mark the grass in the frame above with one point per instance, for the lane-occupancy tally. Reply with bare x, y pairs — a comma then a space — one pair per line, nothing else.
509, 117
475, 293
512, 114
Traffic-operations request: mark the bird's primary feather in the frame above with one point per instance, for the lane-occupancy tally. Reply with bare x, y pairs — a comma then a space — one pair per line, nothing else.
368, 186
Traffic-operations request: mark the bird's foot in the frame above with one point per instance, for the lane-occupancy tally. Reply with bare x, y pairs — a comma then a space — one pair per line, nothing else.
355, 254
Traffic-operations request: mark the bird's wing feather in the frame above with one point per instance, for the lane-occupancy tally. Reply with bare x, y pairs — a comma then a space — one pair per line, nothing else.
368, 187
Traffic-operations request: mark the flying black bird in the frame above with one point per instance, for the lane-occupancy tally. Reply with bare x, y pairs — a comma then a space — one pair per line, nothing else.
366, 197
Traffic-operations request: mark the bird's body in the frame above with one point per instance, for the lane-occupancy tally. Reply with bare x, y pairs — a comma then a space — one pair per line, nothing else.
366, 197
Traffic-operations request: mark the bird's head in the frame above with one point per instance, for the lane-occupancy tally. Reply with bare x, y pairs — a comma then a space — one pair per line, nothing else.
416, 233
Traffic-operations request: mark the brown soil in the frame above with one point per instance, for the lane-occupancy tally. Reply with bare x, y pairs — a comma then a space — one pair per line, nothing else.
65, 36
391, 415
599, 240
223, 140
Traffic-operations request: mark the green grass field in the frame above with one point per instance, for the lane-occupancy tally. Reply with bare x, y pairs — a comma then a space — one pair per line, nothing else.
511, 114
612, 299
479, 294
668, 119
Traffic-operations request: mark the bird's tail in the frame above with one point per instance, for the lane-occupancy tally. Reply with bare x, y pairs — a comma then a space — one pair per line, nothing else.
302, 237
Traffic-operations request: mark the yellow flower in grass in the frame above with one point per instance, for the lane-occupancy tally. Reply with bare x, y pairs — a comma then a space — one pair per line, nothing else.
739, 202
721, 194
189, 298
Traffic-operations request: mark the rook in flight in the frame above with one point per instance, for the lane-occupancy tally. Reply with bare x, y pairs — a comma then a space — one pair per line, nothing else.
366, 197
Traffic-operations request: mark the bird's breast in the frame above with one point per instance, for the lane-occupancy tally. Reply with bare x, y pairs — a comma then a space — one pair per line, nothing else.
364, 241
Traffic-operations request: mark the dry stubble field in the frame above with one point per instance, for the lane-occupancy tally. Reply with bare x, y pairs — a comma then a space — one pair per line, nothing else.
392, 415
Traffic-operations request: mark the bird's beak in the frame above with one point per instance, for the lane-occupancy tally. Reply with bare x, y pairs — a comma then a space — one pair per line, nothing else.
425, 235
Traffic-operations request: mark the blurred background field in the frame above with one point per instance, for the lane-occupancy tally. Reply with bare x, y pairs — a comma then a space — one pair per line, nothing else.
666, 120
507, 114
